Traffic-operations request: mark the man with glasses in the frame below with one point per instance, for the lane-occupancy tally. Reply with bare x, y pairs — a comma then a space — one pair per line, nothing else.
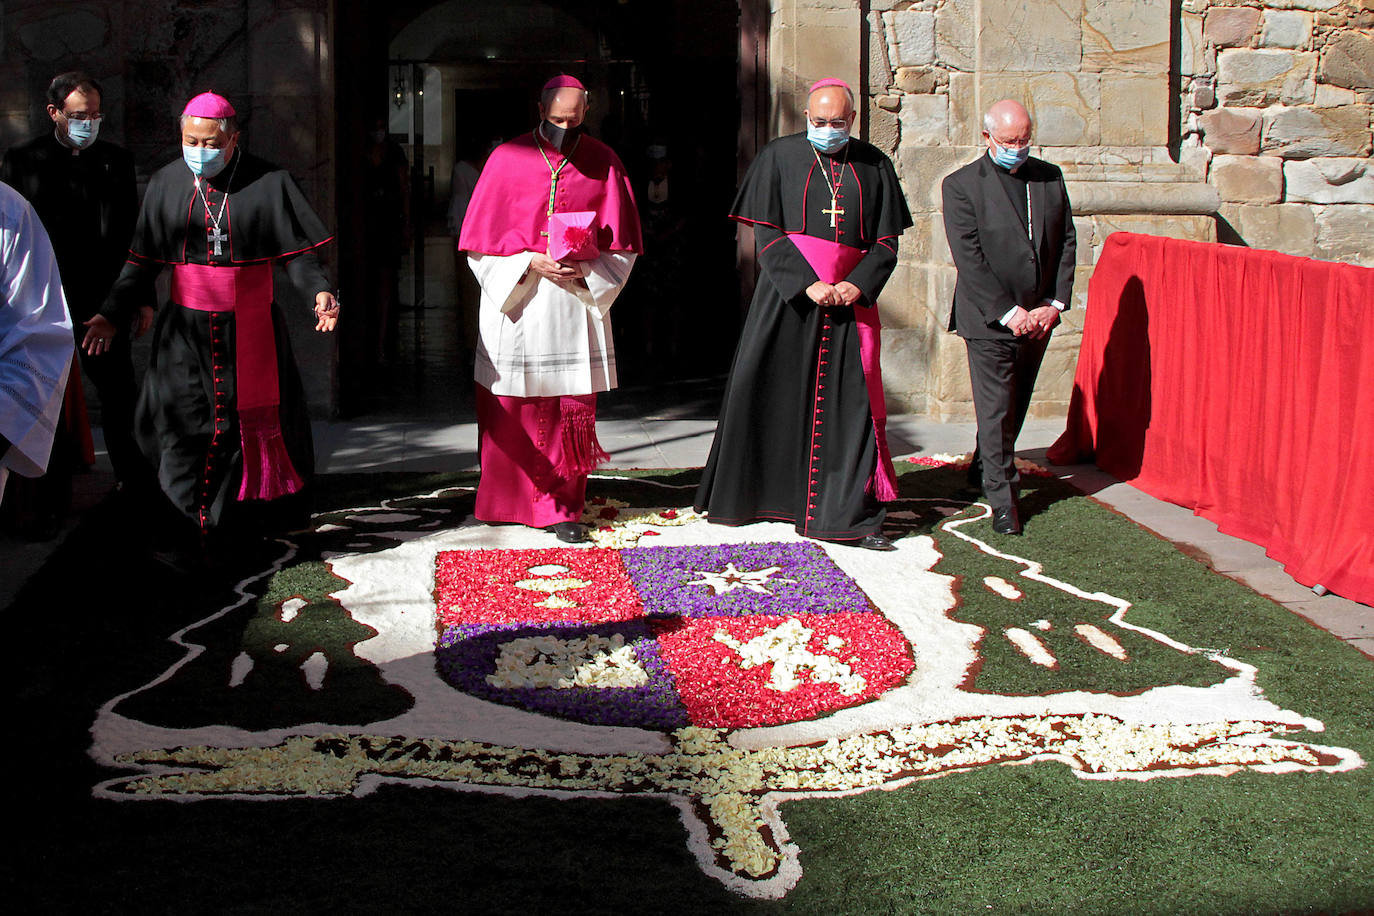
1010, 230
801, 435
83, 190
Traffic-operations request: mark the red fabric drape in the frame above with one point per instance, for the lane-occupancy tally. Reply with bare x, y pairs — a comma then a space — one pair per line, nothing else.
1240, 384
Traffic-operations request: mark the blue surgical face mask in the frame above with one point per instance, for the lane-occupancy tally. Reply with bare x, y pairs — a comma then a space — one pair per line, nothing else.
827, 139
203, 160
81, 134
1009, 158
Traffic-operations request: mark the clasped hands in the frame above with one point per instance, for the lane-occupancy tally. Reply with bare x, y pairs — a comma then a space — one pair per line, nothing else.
1035, 323
563, 271
842, 293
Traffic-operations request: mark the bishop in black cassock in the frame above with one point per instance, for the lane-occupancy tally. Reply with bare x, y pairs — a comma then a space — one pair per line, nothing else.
221, 233
800, 437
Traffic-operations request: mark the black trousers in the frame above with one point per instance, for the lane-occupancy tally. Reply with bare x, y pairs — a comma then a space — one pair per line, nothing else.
112, 374
1003, 372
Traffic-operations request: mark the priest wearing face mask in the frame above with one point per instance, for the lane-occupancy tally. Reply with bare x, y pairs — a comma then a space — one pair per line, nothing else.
801, 436
222, 412
551, 233
83, 189
1010, 231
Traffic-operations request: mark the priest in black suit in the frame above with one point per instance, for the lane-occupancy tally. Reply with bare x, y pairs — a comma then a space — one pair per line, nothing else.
83, 190
801, 434
1010, 230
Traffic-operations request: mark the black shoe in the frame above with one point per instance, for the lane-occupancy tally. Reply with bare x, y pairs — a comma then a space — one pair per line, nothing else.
1006, 520
570, 532
875, 542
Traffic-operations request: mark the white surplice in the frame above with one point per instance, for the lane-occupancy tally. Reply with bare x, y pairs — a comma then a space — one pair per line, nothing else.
36, 346
539, 338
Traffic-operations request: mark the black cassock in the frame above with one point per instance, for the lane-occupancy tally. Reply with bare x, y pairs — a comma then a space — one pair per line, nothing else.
795, 441
187, 419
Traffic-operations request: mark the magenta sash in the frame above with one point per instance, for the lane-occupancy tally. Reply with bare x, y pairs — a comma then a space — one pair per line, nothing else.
246, 290
832, 263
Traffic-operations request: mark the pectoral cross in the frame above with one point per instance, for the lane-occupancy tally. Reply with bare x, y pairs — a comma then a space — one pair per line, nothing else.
217, 235
835, 212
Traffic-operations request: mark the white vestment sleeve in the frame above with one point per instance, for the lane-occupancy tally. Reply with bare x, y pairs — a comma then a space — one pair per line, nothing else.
505, 279
36, 345
606, 277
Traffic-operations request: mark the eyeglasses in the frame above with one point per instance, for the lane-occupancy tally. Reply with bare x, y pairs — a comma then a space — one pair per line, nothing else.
82, 116
1011, 144
833, 122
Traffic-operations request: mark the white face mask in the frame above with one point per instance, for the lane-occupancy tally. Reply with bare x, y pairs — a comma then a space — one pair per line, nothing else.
204, 161
82, 134
825, 138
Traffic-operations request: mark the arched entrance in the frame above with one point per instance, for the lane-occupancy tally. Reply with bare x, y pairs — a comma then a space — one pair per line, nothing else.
665, 82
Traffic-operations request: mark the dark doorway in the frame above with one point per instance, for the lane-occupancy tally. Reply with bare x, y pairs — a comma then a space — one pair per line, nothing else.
665, 84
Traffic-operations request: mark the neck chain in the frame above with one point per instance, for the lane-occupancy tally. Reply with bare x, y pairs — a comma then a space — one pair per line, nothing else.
554, 172
215, 219
835, 210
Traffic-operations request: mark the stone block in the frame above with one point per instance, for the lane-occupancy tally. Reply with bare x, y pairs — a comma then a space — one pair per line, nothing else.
1343, 234
906, 362
925, 120
1192, 50
965, 120
1194, 228
925, 242
883, 129
1348, 60
1137, 107
1016, 36
1202, 93
1248, 179
1313, 5
1289, 228
954, 42
1301, 133
1329, 181
1083, 232
910, 37
951, 393
1195, 161
923, 168
1335, 96
1231, 26
1132, 37
1266, 77
284, 53
880, 76
919, 80
1286, 29
1065, 106
1231, 130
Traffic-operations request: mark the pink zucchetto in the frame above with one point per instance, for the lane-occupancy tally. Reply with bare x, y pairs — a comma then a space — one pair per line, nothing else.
209, 105
564, 81
829, 81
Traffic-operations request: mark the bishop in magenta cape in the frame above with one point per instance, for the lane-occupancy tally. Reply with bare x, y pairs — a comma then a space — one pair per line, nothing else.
545, 348
800, 437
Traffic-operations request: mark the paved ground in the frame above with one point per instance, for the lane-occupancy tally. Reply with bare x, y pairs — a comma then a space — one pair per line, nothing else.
642, 433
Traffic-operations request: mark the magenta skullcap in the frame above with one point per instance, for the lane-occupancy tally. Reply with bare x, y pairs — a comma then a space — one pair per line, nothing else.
829, 81
209, 105
564, 81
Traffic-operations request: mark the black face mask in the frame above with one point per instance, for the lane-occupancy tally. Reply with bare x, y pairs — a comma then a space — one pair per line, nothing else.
560, 138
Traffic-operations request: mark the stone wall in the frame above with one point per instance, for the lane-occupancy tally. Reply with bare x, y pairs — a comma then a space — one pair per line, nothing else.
1097, 79
1277, 95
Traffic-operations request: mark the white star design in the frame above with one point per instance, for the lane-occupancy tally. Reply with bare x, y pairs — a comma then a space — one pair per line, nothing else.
731, 578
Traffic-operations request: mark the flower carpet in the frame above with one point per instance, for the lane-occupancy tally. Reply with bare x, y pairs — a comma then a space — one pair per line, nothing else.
430, 711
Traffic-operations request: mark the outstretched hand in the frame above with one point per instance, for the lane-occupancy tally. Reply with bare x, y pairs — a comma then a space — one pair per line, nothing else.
100, 334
